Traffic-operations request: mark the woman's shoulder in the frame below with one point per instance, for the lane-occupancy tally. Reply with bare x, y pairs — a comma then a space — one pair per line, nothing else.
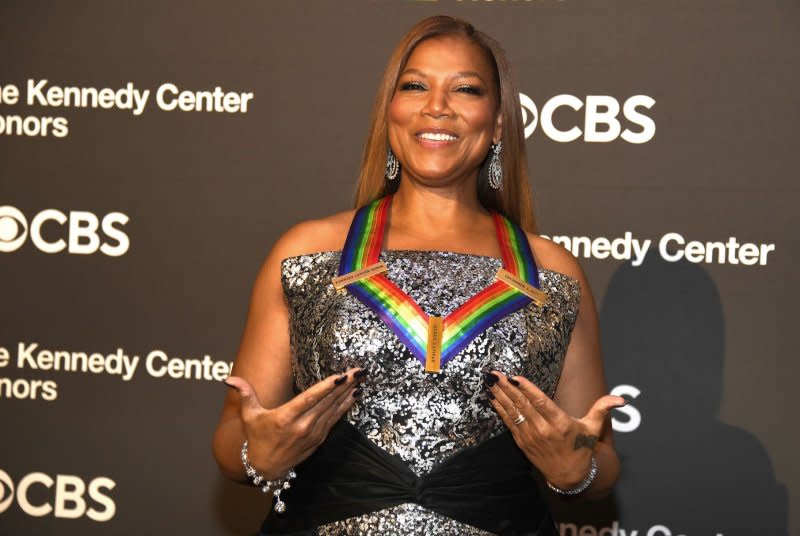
314, 236
554, 257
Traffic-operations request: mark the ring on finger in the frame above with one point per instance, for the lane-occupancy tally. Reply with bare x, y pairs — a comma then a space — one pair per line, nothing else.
519, 420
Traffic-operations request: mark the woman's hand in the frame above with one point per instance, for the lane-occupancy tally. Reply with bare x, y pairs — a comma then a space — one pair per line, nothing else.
560, 446
282, 437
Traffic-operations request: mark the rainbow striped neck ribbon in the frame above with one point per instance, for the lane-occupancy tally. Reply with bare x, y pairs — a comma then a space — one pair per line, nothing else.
435, 340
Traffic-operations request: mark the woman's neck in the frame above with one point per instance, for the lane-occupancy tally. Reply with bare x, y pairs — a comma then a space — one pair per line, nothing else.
437, 215
416, 206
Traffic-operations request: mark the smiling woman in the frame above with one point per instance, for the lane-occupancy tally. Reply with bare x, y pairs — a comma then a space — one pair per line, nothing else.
425, 363
485, 69
444, 114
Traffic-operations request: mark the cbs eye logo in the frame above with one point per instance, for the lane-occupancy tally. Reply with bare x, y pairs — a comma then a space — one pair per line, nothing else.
52, 231
600, 123
65, 496
6, 491
528, 108
13, 229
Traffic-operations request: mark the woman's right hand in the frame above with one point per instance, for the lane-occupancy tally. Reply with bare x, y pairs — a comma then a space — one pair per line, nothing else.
281, 437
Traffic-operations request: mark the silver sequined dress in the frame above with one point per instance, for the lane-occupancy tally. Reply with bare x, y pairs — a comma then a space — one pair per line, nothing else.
423, 418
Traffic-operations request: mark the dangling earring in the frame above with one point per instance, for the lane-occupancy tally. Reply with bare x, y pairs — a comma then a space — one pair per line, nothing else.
495, 168
392, 166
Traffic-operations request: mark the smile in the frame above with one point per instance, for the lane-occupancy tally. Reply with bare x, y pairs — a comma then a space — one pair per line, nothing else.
437, 136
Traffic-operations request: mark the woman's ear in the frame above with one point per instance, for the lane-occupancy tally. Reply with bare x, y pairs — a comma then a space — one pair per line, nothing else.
498, 129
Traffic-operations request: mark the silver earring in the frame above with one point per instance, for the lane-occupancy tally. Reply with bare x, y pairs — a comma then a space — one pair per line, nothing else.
495, 168
392, 165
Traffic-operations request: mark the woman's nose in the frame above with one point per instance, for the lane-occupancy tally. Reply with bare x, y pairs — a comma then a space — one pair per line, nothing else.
437, 104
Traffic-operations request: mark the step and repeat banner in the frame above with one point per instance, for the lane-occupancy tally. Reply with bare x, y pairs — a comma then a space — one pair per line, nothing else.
151, 152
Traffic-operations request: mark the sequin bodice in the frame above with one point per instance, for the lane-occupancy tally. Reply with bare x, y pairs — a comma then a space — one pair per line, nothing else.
423, 418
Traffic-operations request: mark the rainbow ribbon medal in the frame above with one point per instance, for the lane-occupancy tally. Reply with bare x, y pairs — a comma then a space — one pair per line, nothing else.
435, 340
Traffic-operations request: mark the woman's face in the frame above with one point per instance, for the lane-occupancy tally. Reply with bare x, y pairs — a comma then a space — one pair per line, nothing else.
444, 115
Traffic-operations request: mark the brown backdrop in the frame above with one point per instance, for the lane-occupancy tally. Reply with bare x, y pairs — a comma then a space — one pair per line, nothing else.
128, 235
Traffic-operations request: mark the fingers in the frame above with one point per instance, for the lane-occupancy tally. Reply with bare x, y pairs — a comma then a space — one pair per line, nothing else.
318, 421
319, 393
502, 408
342, 404
539, 401
596, 416
527, 399
344, 383
510, 403
248, 400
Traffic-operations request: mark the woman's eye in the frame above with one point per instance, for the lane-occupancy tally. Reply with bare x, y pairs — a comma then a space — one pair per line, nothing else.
411, 86
471, 90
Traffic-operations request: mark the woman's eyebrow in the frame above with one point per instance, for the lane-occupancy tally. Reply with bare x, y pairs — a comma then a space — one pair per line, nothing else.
459, 74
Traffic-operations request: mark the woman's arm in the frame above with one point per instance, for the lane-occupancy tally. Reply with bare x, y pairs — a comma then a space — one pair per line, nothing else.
583, 381
560, 436
281, 429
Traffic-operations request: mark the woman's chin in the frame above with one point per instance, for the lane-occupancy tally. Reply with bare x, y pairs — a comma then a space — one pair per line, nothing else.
437, 177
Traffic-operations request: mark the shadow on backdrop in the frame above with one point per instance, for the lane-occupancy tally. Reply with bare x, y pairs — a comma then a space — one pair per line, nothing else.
239, 509
684, 472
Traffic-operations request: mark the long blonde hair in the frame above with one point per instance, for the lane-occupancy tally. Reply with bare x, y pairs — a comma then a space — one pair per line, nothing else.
514, 199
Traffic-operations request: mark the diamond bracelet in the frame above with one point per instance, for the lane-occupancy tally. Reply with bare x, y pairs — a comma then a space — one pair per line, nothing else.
580, 487
276, 486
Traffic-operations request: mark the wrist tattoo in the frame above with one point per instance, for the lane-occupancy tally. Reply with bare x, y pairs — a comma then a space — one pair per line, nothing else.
587, 441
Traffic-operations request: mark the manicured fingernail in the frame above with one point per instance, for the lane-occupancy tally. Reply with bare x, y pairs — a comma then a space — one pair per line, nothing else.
229, 385
340, 380
491, 378
513, 382
360, 374
358, 392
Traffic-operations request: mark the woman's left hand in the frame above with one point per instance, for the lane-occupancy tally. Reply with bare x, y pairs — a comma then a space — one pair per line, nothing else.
559, 445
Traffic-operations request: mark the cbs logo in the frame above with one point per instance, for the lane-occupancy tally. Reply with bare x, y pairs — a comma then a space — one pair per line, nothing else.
64, 496
600, 118
48, 227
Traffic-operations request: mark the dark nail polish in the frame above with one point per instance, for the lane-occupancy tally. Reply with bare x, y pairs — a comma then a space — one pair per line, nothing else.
490, 378
340, 380
360, 374
513, 382
490, 395
358, 392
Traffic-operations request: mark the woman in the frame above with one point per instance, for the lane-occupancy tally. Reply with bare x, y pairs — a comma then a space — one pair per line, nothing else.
430, 398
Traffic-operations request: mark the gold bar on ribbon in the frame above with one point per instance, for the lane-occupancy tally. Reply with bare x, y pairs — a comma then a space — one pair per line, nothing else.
341, 281
539, 297
433, 354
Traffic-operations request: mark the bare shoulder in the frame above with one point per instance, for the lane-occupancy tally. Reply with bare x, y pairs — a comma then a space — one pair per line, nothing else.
552, 256
313, 236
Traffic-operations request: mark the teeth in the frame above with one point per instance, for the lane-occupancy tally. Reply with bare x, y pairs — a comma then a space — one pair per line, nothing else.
437, 136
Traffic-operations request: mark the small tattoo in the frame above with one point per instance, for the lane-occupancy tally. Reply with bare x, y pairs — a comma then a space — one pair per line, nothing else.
587, 441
